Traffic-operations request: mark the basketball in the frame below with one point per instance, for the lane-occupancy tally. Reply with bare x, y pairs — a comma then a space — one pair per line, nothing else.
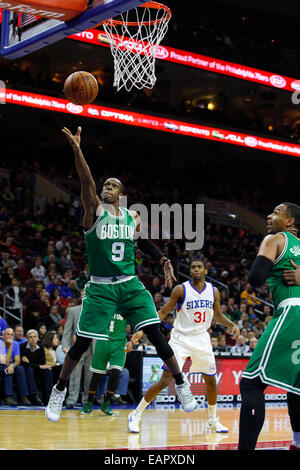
81, 88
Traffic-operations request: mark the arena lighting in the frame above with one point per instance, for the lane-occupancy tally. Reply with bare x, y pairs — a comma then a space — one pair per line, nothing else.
163, 124
202, 62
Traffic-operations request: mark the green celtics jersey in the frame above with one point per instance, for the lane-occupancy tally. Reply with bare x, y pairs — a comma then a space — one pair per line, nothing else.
110, 245
291, 251
117, 328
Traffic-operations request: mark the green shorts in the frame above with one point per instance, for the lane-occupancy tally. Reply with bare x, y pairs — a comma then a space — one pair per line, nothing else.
101, 301
276, 357
112, 352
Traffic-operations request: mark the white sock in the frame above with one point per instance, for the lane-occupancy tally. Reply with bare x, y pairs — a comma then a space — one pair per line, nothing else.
296, 439
212, 411
141, 406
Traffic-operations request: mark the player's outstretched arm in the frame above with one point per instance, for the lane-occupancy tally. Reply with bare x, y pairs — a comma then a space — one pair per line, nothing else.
221, 318
150, 249
89, 198
176, 296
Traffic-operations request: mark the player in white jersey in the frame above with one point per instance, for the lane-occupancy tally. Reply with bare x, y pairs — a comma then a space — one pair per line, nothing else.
197, 302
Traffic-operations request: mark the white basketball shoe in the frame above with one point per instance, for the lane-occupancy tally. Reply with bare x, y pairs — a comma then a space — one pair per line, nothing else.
53, 409
134, 419
215, 425
186, 397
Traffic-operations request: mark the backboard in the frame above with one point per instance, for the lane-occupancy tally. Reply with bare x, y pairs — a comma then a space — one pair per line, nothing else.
23, 33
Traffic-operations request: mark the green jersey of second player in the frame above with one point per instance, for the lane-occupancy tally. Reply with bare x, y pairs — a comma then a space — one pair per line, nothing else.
110, 245
291, 251
117, 328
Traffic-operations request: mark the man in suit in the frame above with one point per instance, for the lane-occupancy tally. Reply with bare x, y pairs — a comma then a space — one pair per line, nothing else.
84, 363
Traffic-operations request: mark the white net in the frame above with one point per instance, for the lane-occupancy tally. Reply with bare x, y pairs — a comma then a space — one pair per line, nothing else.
134, 37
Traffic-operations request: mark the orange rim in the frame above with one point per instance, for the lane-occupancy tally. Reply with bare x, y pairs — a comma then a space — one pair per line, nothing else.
154, 5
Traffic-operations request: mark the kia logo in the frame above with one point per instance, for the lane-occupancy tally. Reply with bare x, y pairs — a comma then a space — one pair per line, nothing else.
251, 141
73, 108
278, 81
161, 53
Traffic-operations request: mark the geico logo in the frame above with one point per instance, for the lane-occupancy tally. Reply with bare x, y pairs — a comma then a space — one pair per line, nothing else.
29, 10
122, 117
166, 399
225, 397
275, 396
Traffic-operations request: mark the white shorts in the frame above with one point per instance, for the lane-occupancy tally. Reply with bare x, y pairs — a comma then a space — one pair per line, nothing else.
198, 348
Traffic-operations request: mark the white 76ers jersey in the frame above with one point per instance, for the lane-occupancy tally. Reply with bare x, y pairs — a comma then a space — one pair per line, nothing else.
195, 313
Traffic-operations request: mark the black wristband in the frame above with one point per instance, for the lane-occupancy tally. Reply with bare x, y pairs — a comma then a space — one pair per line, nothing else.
163, 262
260, 270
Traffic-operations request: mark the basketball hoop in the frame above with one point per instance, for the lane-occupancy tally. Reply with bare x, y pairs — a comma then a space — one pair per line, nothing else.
134, 38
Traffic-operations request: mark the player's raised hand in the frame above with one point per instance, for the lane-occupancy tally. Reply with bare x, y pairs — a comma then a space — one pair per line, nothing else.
292, 276
169, 274
235, 332
74, 140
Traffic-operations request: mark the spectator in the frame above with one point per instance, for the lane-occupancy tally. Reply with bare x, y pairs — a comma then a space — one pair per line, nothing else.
36, 369
37, 310
215, 328
54, 317
139, 262
12, 248
41, 329
3, 325
249, 295
156, 286
7, 261
240, 347
63, 243
222, 346
35, 295
244, 317
14, 296
11, 351
19, 334
258, 328
21, 271
252, 344
50, 343
158, 301
65, 261
214, 343
7, 277
38, 272
73, 288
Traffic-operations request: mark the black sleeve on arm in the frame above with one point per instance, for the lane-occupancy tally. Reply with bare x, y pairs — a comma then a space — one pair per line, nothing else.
148, 247
260, 270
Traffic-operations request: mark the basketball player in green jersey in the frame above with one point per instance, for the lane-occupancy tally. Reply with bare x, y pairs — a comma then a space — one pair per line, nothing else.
112, 352
113, 287
276, 358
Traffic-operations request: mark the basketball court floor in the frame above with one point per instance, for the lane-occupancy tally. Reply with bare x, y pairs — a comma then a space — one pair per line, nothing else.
164, 427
